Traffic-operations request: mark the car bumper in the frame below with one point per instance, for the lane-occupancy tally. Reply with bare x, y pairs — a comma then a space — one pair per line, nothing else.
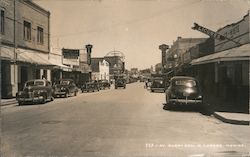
158, 89
35, 99
185, 101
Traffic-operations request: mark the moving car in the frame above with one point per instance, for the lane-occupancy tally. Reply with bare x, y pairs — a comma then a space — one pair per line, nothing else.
90, 86
183, 90
35, 91
158, 84
65, 88
120, 82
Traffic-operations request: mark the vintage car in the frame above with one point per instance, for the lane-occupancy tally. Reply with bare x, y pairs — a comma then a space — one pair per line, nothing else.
158, 84
90, 86
104, 84
120, 82
65, 88
183, 90
35, 91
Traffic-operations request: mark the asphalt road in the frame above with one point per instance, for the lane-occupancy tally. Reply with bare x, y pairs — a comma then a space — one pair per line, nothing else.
116, 123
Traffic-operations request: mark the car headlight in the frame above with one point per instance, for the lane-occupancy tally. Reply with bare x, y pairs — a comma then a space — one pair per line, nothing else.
199, 97
62, 88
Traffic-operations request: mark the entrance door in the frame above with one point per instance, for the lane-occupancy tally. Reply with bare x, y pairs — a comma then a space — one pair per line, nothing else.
24, 75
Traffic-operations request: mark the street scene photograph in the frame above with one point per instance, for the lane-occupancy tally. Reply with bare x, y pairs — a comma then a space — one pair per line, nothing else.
124, 78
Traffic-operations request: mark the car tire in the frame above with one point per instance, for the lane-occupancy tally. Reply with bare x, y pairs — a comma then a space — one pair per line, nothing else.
75, 93
44, 99
152, 91
66, 95
20, 103
52, 98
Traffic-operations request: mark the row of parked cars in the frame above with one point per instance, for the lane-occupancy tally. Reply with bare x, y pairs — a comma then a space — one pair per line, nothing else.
179, 90
41, 91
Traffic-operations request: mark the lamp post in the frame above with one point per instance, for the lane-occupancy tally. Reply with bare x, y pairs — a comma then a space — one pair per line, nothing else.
163, 48
175, 58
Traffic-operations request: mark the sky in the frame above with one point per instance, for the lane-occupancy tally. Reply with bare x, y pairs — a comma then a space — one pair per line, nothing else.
135, 27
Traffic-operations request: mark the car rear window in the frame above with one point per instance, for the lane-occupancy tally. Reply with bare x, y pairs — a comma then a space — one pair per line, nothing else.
35, 83
187, 83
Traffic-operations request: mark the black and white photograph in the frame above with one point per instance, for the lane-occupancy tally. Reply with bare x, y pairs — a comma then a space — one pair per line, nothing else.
124, 78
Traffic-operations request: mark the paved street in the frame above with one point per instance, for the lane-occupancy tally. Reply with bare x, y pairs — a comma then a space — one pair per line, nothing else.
130, 122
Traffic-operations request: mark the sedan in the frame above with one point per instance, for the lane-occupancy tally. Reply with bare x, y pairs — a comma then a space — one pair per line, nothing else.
35, 91
183, 90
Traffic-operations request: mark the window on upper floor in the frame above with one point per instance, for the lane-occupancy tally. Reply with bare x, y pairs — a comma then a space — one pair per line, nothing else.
2, 21
40, 35
26, 30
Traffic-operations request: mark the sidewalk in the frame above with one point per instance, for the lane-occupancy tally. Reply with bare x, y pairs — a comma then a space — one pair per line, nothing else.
233, 118
5, 102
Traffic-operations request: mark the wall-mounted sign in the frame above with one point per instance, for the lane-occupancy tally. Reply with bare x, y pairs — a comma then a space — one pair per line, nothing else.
208, 32
71, 53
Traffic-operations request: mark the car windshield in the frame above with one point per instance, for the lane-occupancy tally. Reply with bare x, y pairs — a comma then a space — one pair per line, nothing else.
187, 83
35, 83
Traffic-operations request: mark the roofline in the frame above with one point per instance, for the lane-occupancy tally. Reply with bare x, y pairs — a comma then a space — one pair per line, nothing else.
30, 2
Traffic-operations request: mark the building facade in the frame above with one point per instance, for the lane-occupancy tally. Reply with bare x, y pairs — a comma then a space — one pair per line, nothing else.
224, 73
176, 54
100, 69
25, 44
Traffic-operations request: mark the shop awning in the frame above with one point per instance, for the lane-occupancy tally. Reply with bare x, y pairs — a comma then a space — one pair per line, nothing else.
33, 57
57, 62
235, 54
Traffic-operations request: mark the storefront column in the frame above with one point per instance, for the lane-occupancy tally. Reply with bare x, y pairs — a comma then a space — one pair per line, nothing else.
49, 75
14, 79
41, 73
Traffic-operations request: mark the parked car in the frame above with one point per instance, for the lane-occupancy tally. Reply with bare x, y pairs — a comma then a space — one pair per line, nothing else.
35, 91
120, 82
104, 84
158, 84
65, 88
90, 86
183, 90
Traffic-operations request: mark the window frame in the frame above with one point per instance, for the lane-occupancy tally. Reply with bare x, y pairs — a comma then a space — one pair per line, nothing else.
2, 26
40, 35
27, 30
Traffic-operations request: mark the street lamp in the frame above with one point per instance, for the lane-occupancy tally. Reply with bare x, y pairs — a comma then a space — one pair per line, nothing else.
175, 58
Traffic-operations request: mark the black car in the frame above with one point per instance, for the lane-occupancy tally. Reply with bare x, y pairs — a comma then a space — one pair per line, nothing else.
104, 84
183, 90
120, 82
90, 87
65, 88
158, 84
35, 91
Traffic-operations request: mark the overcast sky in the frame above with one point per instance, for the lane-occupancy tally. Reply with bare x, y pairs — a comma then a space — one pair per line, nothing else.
135, 27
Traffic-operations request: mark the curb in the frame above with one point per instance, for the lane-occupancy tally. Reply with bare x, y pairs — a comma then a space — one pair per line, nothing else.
8, 103
231, 121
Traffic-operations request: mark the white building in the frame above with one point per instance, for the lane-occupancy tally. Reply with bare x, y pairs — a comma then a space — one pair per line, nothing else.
100, 69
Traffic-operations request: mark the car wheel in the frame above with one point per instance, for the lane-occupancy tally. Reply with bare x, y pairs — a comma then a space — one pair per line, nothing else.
66, 95
52, 98
152, 90
20, 103
75, 93
44, 99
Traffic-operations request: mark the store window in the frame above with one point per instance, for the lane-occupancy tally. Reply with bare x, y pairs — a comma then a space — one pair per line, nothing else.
26, 30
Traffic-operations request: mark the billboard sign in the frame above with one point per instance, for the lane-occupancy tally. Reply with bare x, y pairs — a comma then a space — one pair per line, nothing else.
70, 53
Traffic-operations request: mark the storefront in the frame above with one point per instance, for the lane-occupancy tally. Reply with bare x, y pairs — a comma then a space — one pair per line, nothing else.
225, 77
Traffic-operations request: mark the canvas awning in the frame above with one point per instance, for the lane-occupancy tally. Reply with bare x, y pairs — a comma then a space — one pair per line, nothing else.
57, 62
235, 54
